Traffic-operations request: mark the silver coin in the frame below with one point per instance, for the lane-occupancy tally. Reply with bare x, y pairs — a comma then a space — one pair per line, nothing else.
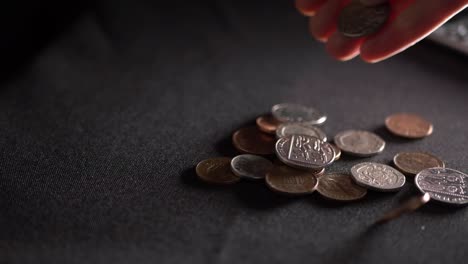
378, 177
288, 129
359, 143
297, 113
304, 152
250, 166
444, 185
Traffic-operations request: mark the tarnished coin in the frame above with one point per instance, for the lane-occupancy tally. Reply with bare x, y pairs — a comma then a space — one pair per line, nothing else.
359, 143
357, 20
217, 171
250, 166
304, 152
444, 185
340, 187
267, 124
297, 113
407, 207
288, 129
337, 151
378, 176
253, 141
409, 125
292, 181
414, 162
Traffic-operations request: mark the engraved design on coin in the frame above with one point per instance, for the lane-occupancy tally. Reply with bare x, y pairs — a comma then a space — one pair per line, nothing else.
359, 143
297, 113
250, 166
357, 20
300, 129
444, 185
304, 151
288, 180
340, 187
216, 170
408, 125
377, 176
414, 162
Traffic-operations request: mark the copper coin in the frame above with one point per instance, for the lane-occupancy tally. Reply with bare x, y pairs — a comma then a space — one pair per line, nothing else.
340, 187
408, 125
291, 181
217, 171
267, 124
253, 141
357, 20
337, 151
407, 207
414, 162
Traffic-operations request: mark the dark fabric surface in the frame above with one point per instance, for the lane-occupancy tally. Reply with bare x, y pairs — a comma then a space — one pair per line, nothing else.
103, 122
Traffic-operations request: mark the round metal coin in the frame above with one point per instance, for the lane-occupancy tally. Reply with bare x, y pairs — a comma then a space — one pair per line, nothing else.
359, 143
250, 166
378, 177
409, 125
297, 113
409, 206
304, 152
267, 124
337, 151
340, 187
288, 180
414, 162
444, 185
288, 129
357, 20
253, 141
217, 171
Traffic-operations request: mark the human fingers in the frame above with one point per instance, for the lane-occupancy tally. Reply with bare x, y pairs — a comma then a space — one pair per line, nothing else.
309, 7
323, 24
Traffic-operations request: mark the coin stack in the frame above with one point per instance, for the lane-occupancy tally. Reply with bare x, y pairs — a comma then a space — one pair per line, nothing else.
302, 153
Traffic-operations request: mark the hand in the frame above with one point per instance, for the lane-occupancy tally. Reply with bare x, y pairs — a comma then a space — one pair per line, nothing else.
409, 22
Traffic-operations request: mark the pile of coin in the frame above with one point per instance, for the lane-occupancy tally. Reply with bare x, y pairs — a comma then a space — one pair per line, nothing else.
302, 154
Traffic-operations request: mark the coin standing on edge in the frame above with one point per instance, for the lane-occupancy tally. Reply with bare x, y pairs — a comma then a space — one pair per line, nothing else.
407, 207
217, 171
413, 162
409, 125
267, 124
378, 177
337, 151
444, 185
358, 20
359, 143
340, 187
253, 141
289, 129
297, 113
291, 181
250, 166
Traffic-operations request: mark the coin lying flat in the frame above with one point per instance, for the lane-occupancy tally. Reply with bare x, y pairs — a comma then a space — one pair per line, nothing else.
378, 177
337, 152
253, 141
297, 113
414, 162
250, 166
304, 152
217, 171
292, 181
340, 187
409, 125
359, 143
267, 124
288, 129
444, 185
407, 207
358, 20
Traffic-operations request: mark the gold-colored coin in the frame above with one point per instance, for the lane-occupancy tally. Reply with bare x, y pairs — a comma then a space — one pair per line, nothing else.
340, 187
217, 171
409, 125
291, 181
407, 207
267, 124
253, 141
413, 162
337, 151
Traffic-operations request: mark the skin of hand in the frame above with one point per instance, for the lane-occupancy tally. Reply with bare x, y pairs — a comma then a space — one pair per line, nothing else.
409, 22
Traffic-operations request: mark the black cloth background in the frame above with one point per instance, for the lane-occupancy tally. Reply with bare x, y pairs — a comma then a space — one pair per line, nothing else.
105, 109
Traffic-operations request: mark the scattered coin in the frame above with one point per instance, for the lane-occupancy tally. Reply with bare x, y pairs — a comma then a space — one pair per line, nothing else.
337, 151
413, 162
408, 125
217, 171
378, 177
409, 206
358, 20
359, 143
250, 166
267, 124
253, 141
444, 185
340, 187
297, 113
292, 181
304, 152
288, 129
